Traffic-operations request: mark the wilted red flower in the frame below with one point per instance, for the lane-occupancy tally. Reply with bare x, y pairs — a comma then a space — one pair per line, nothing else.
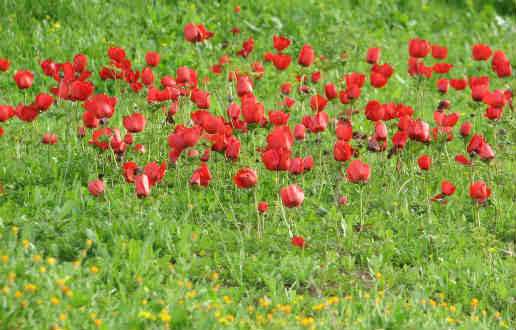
49, 139
439, 52
424, 162
292, 196
262, 206
481, 52
419, 48
280, 42
135, 123
463, 160
465, 129
358, 171
201, 176
306, 56
152, 59
373, 55
142, 186
4, 64
298, 241
318, 102
44, 101
96, 187
23, 79
342, 151
246, 178
479, 191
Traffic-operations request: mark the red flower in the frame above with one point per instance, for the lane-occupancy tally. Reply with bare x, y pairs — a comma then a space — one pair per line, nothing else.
442, 67
193, 33
439, 52
236, 31
6, 112
479, 191
292, 196
268, 57
49, 139
479, 145
374, 111
478, 92
343, 200
276, 159
308, 163
298, 241
419, 48
495, 99
23, 79
90, 120
481, 52
286, 88
252, 111
96, 187
27, 113
201, 98
355, 79
358, 171
44, 101
316, 123
247, 48
316, 77
116, 54
299, 131
245, 178
233, 149
289, 102
465, 129
262, 206
318, 103
135, 123
459, 84
155, 172
80, 62
306, 56
201, 176
373, 55
399, 139
344, 130
493, 113
233, 111
448, 188
424, 162
385, 70
342, 151
187, 76
81, 90
142, 186
278, 118
152, 59
244, 85
4, 64
419, 130
504, 69
463, 160
280, 42
280, 137
129, 169
330, 91
443, 85
378, 80
296, 165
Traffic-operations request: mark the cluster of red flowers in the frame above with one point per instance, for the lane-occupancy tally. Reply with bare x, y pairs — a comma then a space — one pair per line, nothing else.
222, 133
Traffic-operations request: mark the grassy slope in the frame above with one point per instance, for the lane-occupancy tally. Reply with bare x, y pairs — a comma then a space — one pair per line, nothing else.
203, 232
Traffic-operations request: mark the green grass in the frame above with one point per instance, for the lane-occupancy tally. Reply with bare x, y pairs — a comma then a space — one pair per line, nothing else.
190, 257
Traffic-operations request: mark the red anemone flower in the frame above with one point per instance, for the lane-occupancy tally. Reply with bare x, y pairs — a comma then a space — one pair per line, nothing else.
245, 178
292, 196
358, 171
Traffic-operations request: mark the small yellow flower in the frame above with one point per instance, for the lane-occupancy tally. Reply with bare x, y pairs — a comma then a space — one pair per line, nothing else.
192, 5
51, 260
367, 296
37, 258
497, 315
192, 293
432, 302
63, 317
188, 285
97, 322
89, 242
139, 279
452, 309
215, 276
30, 287
5, 258
54, 300
5, 289
15, 229
474, 302
423, 302
378, 275
18, 294
94, 269
42, 270
56, 25
227, 300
